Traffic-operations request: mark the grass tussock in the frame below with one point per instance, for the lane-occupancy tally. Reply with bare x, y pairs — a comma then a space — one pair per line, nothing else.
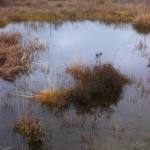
94, 86
142, 23
15, 56
98, 80
32, 130
57, 98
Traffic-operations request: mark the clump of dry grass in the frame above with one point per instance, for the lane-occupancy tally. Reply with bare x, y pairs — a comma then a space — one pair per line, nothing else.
15, 56
57, 98
54, 10
94, 86
32, 130
97, 80
142, 23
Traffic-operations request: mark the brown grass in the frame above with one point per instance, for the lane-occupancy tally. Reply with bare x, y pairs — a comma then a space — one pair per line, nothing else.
15, 56
98, 80
57, 98
32, 130
94, 86
142, 23
60, 10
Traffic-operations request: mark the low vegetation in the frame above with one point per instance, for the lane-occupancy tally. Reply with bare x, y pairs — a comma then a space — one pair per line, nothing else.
15, 56
142, 23
33, 131
57, 98
94, 86
133, 11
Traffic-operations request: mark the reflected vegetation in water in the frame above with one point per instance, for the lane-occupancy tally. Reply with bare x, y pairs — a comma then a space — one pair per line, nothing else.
111, 125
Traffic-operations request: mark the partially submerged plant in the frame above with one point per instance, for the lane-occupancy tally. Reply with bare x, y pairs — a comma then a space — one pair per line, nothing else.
142, 23
97, 80
57, 98
32, 130
97, 85
15, 56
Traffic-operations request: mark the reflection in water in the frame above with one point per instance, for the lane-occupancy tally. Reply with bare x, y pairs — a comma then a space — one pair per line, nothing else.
73, 42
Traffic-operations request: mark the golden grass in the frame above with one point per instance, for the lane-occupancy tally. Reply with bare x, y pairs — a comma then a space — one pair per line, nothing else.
32, 130
15, 56
142, 23
60, 10
94, 86
57, 98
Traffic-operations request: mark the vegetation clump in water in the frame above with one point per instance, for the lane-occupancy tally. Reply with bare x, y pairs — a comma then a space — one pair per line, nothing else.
32, 130
15, 56
57, 98
94, 86
142, 23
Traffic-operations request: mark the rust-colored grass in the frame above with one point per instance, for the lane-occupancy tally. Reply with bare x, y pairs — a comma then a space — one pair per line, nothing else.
57, 98
94, 86
142, 23
15, 56
32, 130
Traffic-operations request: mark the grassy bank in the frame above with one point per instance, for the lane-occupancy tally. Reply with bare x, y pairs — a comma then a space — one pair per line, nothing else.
60, 10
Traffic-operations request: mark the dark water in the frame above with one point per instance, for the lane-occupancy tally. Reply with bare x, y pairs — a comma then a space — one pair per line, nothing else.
124, 126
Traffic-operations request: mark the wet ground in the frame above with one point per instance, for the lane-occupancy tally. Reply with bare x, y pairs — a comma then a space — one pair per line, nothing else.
121, 127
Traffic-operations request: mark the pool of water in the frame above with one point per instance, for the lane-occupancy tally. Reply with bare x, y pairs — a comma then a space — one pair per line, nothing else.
123, 126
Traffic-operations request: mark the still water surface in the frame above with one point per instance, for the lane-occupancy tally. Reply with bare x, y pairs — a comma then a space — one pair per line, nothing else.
124, 126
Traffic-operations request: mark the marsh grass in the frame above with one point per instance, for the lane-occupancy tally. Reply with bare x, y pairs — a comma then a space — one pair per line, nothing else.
15, 56
32, 130
142, 23
58, 98
94, 86
50, 10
